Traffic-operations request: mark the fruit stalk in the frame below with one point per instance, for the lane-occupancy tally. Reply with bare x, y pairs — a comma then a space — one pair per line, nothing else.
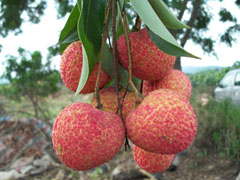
104, 37
129, 57
115, 63
137, 25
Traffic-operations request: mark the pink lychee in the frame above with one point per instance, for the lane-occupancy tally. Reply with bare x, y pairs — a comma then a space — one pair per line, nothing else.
85, 137
71, 68
152, 162
176, 80
148, 61
163, 123
109, 101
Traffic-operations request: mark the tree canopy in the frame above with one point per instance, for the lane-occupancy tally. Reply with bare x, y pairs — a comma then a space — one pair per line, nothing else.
14, 13
195, 13
30, 78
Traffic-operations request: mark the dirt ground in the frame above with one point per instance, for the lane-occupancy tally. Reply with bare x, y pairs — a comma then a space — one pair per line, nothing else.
194, 165
197, 165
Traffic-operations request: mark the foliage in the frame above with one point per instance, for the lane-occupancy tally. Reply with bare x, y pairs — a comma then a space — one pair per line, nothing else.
86, 22
217, 121
14, 13
11, 14
211, 77
220, 123
196, 14
29, 77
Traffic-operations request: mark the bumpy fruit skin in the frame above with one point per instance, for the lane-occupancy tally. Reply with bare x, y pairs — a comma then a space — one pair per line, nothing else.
163, 123
85, 137
71, 68
152, 162
109, 101
176, 80
148, 61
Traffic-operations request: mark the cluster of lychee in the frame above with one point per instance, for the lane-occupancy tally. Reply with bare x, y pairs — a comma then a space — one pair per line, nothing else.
162, 125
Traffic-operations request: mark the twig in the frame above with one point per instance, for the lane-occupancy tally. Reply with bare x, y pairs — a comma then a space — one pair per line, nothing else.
147, 174
138, 23
129, 57
115, 63
104, 37
123, 97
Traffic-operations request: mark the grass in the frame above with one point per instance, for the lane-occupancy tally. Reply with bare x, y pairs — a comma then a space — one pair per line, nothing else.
52, 104
218, 123
218, 126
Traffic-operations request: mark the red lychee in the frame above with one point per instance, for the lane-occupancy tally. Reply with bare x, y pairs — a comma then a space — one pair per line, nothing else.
108, 99
148, 61
152, 162
176, 80
71, 68
163, 123
85, 137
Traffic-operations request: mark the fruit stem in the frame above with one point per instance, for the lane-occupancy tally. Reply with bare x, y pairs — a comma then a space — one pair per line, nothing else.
115, 63
129, 57
104, 37
138, 23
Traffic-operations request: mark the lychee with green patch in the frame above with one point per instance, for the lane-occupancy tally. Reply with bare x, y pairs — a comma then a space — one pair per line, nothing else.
85, 137
71, 69
163, 123
148, 61
176, 80
152, 162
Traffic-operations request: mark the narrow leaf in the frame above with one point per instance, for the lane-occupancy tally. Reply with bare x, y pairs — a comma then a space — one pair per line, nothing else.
69, 31
168, 47
90, 27
166, 16
84, 73
150, 18
71, 24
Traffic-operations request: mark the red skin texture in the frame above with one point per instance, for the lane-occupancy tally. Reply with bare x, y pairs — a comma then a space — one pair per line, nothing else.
163, 123
148, 61
108, 99
85, 137
71, 68
152, 162
176, 81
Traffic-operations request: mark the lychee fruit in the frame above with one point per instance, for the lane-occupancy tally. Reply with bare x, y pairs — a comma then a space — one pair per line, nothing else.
148, 61
71, 69
109, 101
163, 123
176, 80
85, 137
152, 162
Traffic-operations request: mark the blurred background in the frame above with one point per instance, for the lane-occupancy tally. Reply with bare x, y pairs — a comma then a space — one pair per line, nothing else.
32, 94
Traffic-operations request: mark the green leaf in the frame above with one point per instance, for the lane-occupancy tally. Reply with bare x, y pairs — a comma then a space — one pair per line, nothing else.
69, 39
71, 24
90, 27
73, 36
122, 72
85, 72
80, 3
69, 31
150, 18
166, 16
166, 47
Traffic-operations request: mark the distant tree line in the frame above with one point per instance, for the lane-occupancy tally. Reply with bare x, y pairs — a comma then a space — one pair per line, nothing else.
211, 77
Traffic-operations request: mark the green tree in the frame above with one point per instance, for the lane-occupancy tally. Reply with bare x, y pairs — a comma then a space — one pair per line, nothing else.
30, 78
198, 18
13, 13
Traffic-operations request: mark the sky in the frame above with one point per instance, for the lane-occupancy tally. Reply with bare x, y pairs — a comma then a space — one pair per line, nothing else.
41, 36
